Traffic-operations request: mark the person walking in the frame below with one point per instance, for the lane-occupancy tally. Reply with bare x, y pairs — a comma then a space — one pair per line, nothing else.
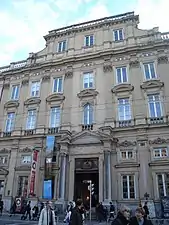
123, 216
139, 218
47, 215
1, 206
76, 215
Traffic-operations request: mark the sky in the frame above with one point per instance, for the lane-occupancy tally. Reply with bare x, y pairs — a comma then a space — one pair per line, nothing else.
23, 23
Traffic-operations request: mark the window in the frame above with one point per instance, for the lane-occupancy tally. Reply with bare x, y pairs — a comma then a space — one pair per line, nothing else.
55, 117
62, 46
88, 114
15, 92
124, 109
31, 120
163, 184
118, 35
22, 188
3, 160
149, 71
155, 109
10, 121
88, 80
160, 152
35, 89
121, 75
26, 159
128, 182
127, 155
58, 85
89, 40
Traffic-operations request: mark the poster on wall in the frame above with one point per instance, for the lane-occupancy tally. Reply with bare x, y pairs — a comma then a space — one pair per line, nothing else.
33, 173
47, 189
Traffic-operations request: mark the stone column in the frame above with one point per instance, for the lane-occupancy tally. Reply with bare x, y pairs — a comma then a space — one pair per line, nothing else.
107, 176
62, 181
71, 178
101, 178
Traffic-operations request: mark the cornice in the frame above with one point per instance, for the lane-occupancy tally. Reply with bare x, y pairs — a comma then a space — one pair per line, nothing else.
127, 165
122, 88
159, 163
5, 150
152, 84
11, 104
32, 101
87, 93
56, 97
82, 58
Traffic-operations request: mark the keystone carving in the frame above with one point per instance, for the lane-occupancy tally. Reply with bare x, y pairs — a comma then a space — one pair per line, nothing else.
107, 67
45, 78
25, 82
162, 60
134, 64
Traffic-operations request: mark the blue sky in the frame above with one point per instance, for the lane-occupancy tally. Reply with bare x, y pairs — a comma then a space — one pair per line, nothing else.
25, 22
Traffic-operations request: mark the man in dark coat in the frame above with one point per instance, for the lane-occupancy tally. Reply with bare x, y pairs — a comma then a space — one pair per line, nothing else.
139, 218
123, 216
76, 215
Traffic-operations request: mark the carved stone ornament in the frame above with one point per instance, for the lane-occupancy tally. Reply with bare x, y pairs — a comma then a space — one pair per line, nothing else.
134, 63
4, 150
25, 82
107, 67
162, 59
56, 97
11, 104
122, 88
69, 72
152, 84
127, 143
86, 164
87, 93
45, 78
25, 150
6, 85
32, 101
159, 141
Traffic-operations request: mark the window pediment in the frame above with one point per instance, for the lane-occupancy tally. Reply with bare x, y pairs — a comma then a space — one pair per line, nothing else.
5, 150
127, 165
56, 97
127, 143
23, 168
25, 150
3, 171
32, 101
11, 104
152, 84
122, 88
87, 93
159, 141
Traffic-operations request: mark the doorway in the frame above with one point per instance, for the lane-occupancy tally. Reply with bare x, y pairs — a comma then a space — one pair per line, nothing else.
81, 189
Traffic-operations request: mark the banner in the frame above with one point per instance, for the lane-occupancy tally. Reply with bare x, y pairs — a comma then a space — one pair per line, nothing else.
47, 189
33, 173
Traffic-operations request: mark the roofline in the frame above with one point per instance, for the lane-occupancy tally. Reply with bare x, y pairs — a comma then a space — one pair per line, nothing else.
92, 22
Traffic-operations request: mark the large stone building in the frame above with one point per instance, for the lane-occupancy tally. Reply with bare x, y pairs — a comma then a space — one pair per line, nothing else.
95, 104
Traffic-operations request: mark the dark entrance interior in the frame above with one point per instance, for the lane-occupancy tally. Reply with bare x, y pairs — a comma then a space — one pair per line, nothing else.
89, 171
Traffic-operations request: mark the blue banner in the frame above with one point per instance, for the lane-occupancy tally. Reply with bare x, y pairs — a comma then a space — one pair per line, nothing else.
47, 189
50, 142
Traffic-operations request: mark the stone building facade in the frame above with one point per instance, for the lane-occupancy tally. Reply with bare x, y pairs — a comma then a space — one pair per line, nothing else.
98, 93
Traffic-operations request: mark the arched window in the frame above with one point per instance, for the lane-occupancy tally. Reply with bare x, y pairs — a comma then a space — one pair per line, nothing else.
88, 114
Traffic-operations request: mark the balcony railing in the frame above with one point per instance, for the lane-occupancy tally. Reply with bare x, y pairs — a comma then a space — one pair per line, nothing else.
14, 65
53, 130
124, 123
157, 120
87, 127
165, 36
7, 134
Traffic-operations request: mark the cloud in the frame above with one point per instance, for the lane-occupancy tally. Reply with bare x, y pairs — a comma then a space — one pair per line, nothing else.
25, 22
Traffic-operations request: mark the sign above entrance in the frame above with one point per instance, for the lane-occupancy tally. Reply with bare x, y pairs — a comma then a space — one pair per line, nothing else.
86, 164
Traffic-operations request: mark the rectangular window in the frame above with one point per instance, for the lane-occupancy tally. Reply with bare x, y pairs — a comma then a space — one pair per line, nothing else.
149, 71
58, 85
62, 46
118, 35
26, 159
160, 152
163, 184
154, 103
22, 188
89, 40
35, 89
3, 160
10, 122
121, 75
54, 117
88, 114
88, 80
127, 155
15, 92
31, 119
124, 109
128, 186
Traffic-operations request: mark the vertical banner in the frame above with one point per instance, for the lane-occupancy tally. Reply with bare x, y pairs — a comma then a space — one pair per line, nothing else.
33, 173
47, 189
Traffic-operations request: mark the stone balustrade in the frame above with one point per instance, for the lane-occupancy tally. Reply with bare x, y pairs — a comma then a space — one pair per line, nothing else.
165, 35
13, 65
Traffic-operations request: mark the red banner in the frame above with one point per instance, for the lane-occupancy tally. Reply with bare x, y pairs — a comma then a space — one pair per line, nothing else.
33, 173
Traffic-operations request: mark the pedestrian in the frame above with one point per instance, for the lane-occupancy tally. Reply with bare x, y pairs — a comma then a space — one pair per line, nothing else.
1, 206
139, 218
47, 216
145, 207
123, 216
28, 211
13, 209
76, 215
111, 212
